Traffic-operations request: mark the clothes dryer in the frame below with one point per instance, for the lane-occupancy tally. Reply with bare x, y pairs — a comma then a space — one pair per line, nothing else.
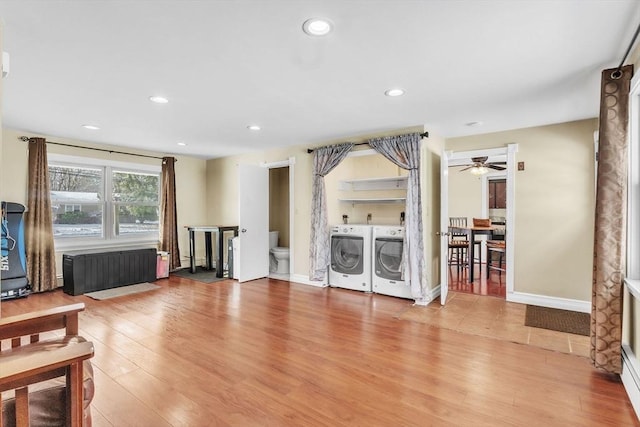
350, 266
387, 261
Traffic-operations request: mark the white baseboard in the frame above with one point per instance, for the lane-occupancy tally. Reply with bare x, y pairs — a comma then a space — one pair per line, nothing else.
434, 293
551, 302
299, 278
631, 377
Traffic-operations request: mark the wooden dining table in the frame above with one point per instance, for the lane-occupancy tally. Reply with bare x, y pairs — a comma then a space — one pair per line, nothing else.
471, 233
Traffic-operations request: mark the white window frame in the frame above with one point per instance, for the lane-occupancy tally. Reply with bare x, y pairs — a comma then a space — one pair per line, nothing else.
633, 187
107, 240
630, 366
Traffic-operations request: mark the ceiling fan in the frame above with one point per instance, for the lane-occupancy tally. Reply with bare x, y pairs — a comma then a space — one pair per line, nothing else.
480, 166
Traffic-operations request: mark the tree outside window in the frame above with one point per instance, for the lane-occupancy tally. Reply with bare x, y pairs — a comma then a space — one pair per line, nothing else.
81, 209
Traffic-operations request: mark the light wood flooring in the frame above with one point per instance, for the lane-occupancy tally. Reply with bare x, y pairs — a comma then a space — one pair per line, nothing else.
274, 353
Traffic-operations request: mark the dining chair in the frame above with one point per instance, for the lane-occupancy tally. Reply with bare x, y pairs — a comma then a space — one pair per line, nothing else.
458, 243
462, 237
498, 248
480, 222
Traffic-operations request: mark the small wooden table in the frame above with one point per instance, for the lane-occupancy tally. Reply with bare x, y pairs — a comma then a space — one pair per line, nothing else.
208, 229
472, 232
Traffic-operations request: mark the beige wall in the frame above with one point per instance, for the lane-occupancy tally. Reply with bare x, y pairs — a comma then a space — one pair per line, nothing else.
190, 180
554, 197
222, 186
554, 205
371, 166
222, 192
465, 194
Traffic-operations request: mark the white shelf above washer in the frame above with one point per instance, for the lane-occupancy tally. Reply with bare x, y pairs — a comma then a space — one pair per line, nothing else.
389, 183
378, 200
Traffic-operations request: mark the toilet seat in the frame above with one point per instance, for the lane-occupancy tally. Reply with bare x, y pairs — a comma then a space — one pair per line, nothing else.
279, 250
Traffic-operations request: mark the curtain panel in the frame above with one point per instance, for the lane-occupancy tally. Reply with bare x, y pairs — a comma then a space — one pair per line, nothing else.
41, 265
610, 221
404, 151
325, 159
168, 213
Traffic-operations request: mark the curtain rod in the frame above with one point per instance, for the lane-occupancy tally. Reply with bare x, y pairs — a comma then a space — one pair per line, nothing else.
27, 139
624, 58
311, 150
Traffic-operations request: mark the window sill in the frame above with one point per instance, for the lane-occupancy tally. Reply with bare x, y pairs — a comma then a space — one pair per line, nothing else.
633, 285
96, 245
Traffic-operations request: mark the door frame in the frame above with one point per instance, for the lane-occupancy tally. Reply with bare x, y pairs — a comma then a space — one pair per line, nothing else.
457, 158
290, 163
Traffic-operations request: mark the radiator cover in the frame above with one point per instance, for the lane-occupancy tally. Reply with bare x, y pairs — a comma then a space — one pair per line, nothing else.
91, 272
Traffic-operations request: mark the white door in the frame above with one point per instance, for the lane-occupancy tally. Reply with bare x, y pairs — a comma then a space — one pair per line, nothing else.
253, 197
444, 226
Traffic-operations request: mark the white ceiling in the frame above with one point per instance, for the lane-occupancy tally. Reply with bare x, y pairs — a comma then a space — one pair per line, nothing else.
227, 64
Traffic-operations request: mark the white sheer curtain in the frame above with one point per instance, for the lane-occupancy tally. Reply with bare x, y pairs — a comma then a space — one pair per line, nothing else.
324, 160
404, 151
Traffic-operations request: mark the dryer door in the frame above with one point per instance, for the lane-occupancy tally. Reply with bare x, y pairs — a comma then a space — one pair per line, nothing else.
347, 254
388, 258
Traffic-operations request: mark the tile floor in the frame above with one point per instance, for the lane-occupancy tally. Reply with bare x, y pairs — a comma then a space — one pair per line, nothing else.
495, 318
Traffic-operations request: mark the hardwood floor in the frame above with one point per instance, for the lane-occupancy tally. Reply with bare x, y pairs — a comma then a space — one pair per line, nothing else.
495, 285
274, 353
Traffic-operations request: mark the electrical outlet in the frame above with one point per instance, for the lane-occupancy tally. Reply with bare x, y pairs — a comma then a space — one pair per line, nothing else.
520, 166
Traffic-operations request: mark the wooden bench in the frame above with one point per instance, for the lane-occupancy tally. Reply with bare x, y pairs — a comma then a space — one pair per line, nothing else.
29, 360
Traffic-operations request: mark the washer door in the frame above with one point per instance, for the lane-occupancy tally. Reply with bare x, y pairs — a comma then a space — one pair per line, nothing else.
347, 254
388, 258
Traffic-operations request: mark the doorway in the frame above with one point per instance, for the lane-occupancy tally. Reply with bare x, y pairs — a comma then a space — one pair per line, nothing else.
281, 214
478, 199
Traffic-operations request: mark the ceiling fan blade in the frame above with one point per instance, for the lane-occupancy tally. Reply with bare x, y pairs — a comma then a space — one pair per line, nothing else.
467, 168
496, 167
479, 159
496, 163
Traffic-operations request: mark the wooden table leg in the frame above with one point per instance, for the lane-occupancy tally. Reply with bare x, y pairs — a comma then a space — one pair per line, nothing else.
471, 236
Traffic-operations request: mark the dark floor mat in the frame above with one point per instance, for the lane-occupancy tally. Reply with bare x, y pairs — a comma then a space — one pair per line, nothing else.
558, 320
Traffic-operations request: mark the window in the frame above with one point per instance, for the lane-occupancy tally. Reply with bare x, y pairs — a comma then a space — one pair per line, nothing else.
93, 202
633, 213
497, 193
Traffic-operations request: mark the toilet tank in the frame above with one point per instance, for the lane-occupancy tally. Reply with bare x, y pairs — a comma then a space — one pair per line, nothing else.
273, 239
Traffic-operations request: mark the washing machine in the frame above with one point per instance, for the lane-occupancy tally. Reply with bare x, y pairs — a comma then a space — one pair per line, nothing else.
387, 261
350, 266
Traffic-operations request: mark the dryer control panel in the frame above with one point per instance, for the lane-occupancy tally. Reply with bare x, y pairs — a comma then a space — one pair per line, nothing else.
389, 231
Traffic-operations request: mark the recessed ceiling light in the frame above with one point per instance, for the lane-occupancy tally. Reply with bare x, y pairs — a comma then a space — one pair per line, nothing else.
394, 92
158, 99
91, 127
317, 27
253, 127
182, 144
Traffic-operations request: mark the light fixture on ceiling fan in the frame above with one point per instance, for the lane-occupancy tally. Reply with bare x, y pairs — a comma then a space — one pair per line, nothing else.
479, 166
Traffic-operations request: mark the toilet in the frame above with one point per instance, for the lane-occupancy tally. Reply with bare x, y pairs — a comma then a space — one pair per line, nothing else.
278, 257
